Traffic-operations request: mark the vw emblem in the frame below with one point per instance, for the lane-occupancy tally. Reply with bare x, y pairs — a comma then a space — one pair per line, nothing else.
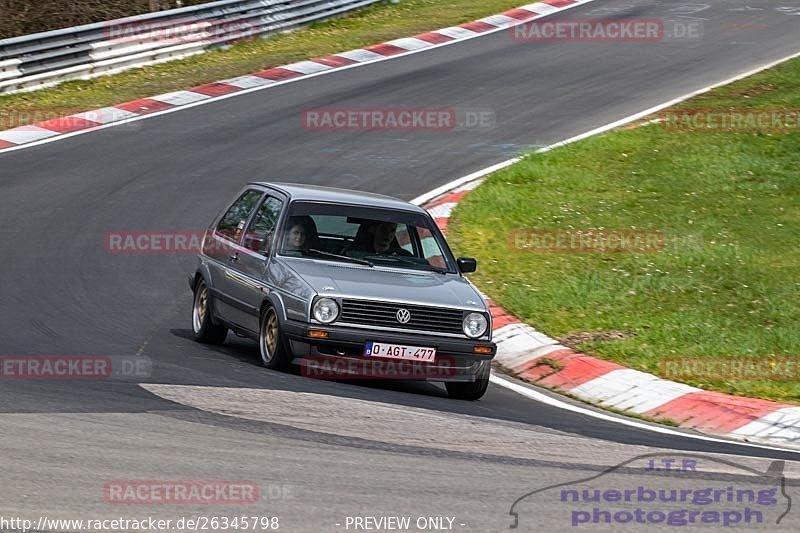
403, 316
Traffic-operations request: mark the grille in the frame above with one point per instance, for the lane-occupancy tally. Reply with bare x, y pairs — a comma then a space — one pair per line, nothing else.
384, 314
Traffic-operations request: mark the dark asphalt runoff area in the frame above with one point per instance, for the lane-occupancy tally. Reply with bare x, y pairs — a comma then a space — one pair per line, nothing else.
325, 453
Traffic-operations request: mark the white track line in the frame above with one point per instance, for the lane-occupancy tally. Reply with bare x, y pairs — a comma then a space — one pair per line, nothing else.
554, 402
447, 187
602, 129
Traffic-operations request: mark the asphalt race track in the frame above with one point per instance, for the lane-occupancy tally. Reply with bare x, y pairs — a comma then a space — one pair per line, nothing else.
319, 451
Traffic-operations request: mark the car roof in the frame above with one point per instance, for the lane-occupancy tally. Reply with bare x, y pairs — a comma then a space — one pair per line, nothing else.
297, 191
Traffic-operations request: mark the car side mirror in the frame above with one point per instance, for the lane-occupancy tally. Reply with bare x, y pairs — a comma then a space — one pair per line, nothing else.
467, 264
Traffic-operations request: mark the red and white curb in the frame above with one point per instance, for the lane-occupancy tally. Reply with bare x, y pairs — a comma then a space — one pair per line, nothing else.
536, 358
61, 127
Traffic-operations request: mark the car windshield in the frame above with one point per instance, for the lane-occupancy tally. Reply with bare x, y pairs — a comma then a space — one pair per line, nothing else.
363, 235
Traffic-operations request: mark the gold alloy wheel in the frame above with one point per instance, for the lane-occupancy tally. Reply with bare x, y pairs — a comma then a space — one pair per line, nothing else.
200, 308
269, 336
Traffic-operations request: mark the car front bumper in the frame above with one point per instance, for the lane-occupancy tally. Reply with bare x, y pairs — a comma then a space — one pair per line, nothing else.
341, 354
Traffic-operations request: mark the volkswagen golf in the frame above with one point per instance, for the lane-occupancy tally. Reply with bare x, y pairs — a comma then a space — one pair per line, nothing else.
344, 284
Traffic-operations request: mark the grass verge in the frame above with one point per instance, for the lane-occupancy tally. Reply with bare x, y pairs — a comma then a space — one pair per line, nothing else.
374, 24
725, 283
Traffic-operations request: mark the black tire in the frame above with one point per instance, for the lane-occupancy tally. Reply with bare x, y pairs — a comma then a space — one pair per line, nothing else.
271, 344
472, 390
203, 328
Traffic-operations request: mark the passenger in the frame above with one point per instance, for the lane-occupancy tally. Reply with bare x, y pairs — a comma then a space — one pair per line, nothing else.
301, 234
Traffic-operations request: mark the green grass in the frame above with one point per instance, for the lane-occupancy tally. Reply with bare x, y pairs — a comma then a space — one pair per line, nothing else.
726, 282
374, 24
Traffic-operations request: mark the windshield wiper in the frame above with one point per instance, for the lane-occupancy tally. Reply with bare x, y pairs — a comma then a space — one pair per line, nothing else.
410, 262
337, 256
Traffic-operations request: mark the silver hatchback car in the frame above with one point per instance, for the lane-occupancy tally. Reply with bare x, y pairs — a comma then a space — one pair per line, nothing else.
345, 284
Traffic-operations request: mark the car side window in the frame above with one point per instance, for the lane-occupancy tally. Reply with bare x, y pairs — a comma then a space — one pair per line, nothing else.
233, 221
258, 236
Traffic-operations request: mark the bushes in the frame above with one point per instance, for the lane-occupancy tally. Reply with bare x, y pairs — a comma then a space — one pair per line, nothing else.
21, 17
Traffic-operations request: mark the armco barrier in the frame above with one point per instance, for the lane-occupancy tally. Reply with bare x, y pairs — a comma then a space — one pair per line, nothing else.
43, 59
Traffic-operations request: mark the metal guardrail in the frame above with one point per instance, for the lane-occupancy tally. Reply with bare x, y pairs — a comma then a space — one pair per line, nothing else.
44, 59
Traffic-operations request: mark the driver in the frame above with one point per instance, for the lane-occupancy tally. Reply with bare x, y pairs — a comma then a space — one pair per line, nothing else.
379, 238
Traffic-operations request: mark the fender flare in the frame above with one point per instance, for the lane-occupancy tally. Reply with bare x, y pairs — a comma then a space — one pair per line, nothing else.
204, 273
273, 299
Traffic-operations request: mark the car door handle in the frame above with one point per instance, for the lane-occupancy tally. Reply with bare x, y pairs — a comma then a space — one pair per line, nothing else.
234, 257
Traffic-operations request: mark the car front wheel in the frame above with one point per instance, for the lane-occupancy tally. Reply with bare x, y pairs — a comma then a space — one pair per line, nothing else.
270, 341
471, 391
203, 328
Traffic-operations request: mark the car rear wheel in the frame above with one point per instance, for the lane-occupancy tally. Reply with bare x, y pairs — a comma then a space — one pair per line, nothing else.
471, 391
270, 341
202, 326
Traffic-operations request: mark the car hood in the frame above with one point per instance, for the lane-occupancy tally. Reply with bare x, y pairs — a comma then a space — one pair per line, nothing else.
421, 288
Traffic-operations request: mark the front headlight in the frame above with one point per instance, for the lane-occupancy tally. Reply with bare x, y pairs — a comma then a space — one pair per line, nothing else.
475, 325
325, 310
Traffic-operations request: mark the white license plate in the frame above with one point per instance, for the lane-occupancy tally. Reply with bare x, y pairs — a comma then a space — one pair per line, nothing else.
399, 351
